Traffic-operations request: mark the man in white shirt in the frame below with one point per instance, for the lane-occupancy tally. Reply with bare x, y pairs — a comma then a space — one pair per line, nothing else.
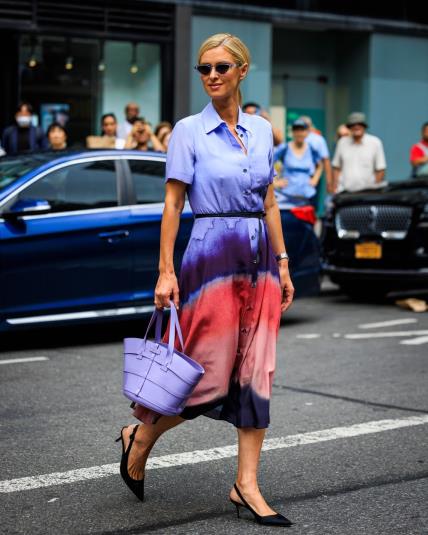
359, 160
132, 111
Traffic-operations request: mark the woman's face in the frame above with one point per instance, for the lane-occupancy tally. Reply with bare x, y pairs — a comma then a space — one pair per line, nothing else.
221, 86
57, 138
109, 126
163, 131
140, 132
299, 134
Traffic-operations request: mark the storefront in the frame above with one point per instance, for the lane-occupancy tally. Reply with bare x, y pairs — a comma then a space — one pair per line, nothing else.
74, 62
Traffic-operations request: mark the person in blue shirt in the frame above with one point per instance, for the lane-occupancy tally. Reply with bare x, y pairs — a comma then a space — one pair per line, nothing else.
234, 281
302, 167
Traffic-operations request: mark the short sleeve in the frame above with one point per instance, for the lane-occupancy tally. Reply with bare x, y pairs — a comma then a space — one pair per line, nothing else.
380, 161
180, 156
415, 153
279, 152
322, 148
337, 159
272, 172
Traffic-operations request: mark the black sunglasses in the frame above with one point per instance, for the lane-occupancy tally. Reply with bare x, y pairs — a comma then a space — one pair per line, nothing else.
221, 68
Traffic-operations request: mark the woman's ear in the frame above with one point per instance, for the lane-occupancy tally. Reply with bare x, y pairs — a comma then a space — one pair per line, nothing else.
244, 71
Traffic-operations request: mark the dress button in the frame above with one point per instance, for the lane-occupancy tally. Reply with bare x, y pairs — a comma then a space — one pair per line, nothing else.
241, 135
244, 170
253, 237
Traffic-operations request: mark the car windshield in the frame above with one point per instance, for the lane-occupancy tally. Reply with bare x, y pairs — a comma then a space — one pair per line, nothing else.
12, 168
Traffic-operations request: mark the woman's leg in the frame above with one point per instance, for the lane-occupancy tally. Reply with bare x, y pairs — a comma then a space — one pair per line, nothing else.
144, 440
250, 442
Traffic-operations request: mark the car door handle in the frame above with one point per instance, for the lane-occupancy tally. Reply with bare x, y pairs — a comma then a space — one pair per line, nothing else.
114, 235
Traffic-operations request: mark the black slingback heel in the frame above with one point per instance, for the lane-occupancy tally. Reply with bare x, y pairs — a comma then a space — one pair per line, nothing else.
268, 520
136, 485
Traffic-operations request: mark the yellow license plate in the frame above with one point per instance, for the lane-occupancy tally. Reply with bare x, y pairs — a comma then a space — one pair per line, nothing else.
368, 249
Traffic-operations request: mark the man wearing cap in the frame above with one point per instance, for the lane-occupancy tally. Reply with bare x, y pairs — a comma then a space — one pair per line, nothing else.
359, 159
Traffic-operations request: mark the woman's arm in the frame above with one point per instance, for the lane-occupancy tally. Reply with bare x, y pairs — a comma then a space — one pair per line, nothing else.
167, 285
315, 178
276, 238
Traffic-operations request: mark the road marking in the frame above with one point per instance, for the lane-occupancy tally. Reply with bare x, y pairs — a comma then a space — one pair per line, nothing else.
389, 323
212, 454
308, 336
354, 336
415, 341
25, 359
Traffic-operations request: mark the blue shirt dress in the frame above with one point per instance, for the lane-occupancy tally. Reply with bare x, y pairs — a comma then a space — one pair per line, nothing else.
229, 304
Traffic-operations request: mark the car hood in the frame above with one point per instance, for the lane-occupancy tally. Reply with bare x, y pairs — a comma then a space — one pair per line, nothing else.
412, 192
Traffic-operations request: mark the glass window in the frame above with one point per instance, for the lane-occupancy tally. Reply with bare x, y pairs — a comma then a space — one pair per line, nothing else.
76, 187
12, 168
148, 177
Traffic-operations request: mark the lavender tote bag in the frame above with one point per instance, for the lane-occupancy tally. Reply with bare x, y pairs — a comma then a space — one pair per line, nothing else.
155, 374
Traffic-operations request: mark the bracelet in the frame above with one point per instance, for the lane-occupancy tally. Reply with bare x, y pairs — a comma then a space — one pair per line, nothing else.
282, 256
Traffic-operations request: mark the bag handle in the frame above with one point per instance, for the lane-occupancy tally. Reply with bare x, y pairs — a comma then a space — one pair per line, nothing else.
174, 325
157, 313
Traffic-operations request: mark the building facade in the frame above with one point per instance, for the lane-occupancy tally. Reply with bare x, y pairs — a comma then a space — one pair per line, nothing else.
322, 58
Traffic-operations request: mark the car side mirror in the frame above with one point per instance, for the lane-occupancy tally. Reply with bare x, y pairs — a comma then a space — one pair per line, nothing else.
27, 207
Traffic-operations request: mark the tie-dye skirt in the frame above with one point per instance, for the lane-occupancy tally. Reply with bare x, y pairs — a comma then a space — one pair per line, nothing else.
229, 316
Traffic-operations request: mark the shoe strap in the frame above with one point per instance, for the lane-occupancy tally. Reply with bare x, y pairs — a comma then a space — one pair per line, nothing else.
131, 437
242, 497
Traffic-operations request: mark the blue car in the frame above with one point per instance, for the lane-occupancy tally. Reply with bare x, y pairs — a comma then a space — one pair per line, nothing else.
79, 237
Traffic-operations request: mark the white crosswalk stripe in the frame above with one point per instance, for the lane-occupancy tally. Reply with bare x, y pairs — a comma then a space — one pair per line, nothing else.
212, 454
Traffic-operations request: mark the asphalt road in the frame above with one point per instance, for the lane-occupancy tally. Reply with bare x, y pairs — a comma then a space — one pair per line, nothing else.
346, 450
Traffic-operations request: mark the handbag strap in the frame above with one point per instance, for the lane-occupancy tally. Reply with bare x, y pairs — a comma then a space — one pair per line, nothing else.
157, 314
174, 325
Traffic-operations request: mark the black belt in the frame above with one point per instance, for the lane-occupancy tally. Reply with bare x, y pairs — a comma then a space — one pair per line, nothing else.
259, 215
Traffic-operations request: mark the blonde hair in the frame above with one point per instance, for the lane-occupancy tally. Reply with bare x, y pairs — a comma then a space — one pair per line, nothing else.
233, 45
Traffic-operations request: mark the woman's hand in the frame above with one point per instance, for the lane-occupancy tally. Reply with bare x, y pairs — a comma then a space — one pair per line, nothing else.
166, 289
286, 285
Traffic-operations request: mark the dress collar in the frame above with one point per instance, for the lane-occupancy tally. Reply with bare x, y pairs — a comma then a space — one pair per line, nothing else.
211, 119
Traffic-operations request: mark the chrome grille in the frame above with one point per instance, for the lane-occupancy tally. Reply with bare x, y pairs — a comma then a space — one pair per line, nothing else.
388, 221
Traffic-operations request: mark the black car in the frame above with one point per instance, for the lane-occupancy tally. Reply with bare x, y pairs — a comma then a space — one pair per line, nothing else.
376, 241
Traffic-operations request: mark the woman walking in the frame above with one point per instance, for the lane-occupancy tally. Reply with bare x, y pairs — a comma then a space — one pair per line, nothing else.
234, 280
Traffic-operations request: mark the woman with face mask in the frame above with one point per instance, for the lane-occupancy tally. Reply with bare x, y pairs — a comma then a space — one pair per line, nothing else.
23, 136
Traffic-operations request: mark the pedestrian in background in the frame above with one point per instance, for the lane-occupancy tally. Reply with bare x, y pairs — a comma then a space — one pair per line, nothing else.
341, 131
319, 143
163, 133
234, 279
255, 109
301, 167
142, 137
132, 111
109, 129
22, 136
57, 137
359, 160
419, 154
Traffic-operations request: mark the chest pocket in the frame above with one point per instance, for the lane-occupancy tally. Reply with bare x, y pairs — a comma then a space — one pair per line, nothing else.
260, 171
